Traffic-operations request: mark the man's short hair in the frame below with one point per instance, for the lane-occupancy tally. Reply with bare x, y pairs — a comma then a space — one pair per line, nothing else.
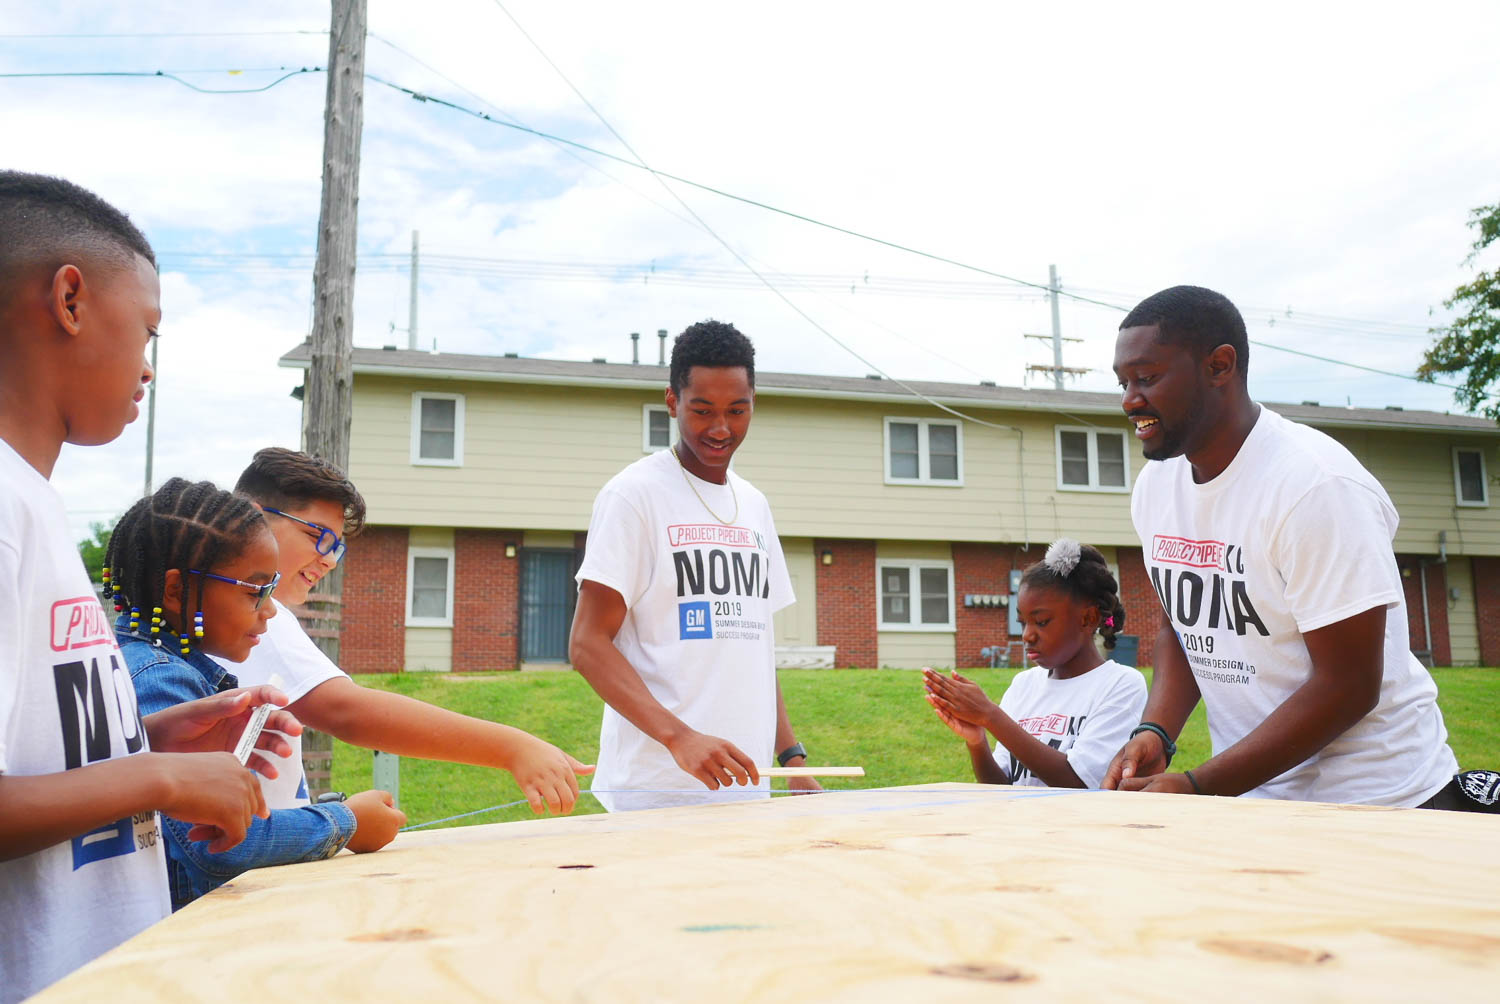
47, 222
286, 479
1194, 316
710, 343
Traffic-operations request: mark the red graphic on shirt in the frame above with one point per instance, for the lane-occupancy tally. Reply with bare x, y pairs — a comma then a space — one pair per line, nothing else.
1043, 724
79, 623
687, 534
1193, 553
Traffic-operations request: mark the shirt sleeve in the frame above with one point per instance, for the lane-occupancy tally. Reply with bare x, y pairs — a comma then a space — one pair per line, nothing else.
1334, 553
782, 594
296, 659
10, 645
1107, 727
618, 549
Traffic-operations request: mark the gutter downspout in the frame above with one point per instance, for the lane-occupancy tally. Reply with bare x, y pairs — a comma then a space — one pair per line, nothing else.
1442, 559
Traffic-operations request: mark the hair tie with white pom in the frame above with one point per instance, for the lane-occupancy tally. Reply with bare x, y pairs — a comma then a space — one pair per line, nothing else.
1063, 556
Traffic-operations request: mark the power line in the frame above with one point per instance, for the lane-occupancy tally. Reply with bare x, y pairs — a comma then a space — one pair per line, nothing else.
163, 74
167, 34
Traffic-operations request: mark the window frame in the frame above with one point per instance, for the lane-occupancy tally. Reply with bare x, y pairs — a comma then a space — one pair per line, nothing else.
1093, 447
1484, 479
412, 554
417, 459
646, 411
914, 566
924, 467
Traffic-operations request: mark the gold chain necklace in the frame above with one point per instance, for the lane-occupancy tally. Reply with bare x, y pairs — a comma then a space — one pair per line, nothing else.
732, 493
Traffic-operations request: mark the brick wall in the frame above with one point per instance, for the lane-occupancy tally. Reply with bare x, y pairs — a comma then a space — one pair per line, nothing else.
1143, 614
486, 600
374, 602
986, 568
1487, 598
846, 600
1437, 606
983, 568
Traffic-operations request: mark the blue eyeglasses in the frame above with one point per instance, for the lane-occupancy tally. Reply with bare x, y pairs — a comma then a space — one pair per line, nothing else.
328, 541
262, 590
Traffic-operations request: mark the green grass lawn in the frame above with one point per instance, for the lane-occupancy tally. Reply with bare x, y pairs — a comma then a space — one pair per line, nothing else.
874, 718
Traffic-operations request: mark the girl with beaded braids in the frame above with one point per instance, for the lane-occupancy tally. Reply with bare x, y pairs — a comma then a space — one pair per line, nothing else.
1060, 722
191, 570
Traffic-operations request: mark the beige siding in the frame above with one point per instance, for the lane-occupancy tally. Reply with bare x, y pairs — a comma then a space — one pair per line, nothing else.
535, 456
915, 649
429, 648
1463, 621
798, 623
1417, 470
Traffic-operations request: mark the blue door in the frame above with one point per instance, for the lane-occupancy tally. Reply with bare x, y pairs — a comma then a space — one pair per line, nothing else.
547, 597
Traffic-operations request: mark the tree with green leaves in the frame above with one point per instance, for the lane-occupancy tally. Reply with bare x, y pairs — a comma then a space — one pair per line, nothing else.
92, 548
1470, 343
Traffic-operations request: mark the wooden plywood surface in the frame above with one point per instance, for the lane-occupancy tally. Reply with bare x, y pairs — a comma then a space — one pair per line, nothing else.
934, 893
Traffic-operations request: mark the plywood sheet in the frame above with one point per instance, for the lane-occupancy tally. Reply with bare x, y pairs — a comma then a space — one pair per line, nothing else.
934, 893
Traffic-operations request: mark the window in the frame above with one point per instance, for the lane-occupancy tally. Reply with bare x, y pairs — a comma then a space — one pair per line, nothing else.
923, 451
1092, 460
656, 428
429, 587
1470, 485
915, 595
437, 429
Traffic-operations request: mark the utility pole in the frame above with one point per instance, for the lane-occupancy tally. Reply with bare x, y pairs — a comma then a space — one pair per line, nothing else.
411, 319
151, 420
1057, 369
328, 403
1057, 365
330, 379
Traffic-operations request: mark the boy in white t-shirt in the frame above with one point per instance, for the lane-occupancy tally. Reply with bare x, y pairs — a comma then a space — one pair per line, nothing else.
1060, 722
312, 509
681, 575
1271, 550
81, 772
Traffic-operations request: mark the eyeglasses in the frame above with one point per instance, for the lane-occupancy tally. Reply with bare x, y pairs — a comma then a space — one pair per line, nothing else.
328, 541
262, 590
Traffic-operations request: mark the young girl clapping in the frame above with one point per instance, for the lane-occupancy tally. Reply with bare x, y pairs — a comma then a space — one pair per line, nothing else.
1060, 722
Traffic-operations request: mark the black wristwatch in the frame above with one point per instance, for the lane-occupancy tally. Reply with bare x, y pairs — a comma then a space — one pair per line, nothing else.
332, 796
794, 750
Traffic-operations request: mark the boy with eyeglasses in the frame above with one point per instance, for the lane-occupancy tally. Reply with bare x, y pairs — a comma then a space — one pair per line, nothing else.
312, 508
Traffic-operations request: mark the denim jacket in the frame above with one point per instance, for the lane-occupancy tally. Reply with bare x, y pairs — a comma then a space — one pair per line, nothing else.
164, 678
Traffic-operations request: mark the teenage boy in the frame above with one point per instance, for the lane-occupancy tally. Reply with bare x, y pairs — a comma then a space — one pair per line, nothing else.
680, 577
1270, 547
81, 773
312, 508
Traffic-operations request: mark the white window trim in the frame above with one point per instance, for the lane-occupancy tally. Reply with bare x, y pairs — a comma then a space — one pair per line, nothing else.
1093, 485
916, 605
1484, 479
412, 554
417, 459
646, 410
924, 477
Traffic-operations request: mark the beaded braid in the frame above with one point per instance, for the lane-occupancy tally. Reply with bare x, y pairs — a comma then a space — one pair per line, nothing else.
1089, 582
184, 525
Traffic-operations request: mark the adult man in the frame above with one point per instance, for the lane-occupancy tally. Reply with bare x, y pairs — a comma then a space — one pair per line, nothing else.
681, 575
1270, 548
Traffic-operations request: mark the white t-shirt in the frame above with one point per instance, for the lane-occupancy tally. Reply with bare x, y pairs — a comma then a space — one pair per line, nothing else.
1292, 536
699, 596
287, 657
66, 701
1087, 717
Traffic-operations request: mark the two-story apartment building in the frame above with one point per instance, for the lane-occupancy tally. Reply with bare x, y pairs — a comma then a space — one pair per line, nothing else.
903, 526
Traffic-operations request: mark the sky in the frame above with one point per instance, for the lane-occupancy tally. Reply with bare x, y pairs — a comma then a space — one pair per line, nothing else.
1316, 163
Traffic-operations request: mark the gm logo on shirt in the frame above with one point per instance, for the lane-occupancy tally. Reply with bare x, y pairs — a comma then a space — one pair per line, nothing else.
693, 621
